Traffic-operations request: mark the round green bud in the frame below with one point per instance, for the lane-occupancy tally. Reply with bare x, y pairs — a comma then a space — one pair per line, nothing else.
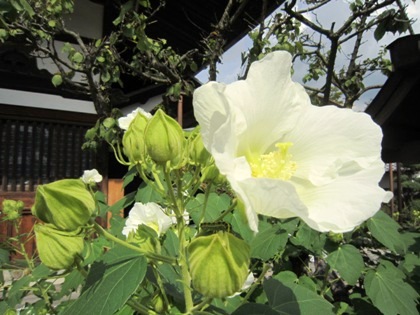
66, 204
133, 139
164, 138
218, 264
58, 249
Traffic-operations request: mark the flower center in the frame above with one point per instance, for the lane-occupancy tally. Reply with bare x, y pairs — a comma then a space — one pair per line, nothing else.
276, 164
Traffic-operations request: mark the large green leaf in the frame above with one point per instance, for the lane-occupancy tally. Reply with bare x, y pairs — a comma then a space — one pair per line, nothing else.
385, 230
348, 261
269, 241
291, 298
309, 239
122, 203
147, 193
386, 288
213, 207
110, 283
255, 309
240, 225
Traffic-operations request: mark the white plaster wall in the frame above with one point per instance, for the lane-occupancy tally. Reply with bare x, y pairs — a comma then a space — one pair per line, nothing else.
40, 100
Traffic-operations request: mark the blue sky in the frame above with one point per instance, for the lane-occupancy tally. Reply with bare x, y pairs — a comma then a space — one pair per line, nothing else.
230, 67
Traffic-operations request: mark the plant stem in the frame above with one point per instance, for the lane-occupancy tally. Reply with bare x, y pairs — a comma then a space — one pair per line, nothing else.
151, 256
256, 283
182, 260
140, 308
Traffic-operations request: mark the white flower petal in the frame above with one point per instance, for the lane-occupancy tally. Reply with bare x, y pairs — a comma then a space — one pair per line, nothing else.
91, 176
345, 202
336, 152
124, 122
150, 214
327, 138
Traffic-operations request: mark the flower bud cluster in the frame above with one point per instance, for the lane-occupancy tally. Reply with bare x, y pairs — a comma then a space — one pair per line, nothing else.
12, 209
158, 138
64, 207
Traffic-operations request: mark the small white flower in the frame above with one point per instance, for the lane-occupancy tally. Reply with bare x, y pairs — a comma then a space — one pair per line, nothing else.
285, 157
150, 214
91, 176
124, 122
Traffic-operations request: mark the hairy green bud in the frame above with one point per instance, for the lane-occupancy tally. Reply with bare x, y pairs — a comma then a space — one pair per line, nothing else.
66, 204
164, 138
133, 139
219, 264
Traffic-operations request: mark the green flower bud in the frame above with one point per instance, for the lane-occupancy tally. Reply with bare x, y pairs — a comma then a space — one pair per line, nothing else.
58, 249
198, 155
12, 209
146, 238
133, 139
218, 264
66, 204
335, 237
164, 140
211, 173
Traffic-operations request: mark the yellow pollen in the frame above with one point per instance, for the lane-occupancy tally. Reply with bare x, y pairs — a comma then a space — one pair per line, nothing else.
276, 164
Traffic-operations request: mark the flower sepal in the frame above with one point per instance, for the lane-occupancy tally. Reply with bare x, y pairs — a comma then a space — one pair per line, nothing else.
66, 204
146, 238
58, 249
165, 141
218, 264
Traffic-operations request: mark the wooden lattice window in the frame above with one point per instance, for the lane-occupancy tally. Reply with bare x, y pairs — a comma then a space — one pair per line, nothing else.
40, 148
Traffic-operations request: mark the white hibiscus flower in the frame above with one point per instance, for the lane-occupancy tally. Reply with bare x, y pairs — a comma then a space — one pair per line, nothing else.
285, 157
150, 214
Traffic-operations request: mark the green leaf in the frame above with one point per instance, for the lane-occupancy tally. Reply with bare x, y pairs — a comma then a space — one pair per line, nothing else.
110, 283
57, 80
129, 177
388, 291
146, 194
255, 309
385, 230
291, 298
240, 225
77, 57
269, 241
27, 7
213, 208
348, 261
309, 239
4, 256
124, 202
71, 282
17, 291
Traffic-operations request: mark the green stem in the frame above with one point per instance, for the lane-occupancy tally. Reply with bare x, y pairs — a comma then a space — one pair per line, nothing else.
160, 285
151, 256
254, 286
202, 305
229, 210
182, 260
206, 199
31, 266
140, 308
